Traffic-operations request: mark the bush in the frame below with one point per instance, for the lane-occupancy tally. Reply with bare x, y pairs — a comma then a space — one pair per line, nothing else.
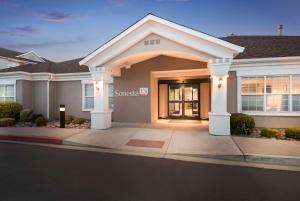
25, 115
78, 120
293, 133
69, 119
5, 122
10, 110
241, 124
35, 116
40, 121
270, 133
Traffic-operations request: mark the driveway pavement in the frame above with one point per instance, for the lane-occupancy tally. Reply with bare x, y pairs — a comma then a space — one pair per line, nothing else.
38, 173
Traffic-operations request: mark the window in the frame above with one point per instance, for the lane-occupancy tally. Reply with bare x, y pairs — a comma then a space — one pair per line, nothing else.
7, 93
253, 94
296, 93
88, 96
270, 94
277, 93
110, 96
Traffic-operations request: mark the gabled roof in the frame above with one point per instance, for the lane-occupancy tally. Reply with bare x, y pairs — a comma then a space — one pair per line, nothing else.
31, 55
151, 17
19, 55
266, 46
9, 53
70, 66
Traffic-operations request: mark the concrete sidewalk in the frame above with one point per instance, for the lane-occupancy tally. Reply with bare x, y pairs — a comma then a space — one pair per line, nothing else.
167, 141
191, 142
269, 150
34, 134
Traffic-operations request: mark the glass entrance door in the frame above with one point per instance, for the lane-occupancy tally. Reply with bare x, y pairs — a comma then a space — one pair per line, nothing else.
184, 101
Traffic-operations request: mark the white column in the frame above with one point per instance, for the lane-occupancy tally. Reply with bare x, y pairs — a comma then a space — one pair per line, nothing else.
219, 118
101, 115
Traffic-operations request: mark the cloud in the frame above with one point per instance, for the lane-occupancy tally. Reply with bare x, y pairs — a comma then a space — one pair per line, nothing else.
56, 16
118, 3
41, 44
19, 30
9, 3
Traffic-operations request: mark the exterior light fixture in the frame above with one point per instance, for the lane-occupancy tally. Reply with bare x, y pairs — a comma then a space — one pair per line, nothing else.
62, 110
220, 82
97, 85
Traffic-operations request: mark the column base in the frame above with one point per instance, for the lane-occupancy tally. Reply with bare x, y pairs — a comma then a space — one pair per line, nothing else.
100, 119
219, 123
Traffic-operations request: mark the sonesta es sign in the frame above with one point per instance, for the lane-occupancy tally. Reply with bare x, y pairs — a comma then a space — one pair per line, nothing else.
144, 91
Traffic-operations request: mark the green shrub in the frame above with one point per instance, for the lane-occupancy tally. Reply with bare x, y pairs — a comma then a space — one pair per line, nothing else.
241, 124
270, 133
10, 110
5, 122
78, 120
69, 119
25, 115
293, 133
35, 116
40, 121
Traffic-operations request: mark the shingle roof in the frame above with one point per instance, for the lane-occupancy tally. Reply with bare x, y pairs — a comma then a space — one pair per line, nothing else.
9, 53
255, 47
71, 66
13, 54
266, 46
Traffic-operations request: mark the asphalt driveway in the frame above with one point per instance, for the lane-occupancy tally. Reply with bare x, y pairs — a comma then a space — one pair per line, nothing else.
43, 173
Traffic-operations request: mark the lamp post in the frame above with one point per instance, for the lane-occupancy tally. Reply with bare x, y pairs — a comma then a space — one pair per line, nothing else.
62, 110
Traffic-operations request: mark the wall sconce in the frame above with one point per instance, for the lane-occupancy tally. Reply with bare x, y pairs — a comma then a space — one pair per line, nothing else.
220, 82
62, 109
97, 86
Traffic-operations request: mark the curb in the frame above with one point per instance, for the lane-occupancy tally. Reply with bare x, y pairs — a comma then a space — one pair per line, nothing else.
37, 139
271, 159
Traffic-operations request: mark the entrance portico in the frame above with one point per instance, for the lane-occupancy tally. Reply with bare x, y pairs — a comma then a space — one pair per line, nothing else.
148, 39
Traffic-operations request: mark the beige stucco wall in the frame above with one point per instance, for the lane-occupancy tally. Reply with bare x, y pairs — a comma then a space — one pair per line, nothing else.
70, 94
24, 93
232, 92
138, 109
260, 121
39, 97
276, 121
33, 95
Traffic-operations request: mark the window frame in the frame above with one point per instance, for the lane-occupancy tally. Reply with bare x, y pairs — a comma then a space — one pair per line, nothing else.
84, 96
253, 94
290, 94
9, 82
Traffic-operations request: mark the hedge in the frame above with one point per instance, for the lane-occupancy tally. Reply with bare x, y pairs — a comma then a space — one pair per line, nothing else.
241, 124
5, 122
293, 133
10, 110
270, 133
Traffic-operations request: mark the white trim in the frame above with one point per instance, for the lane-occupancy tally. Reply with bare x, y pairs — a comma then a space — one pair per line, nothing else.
17, 60
83, 83
267, 60
48, 100
150, 17
20, 75
290, 111
10, 82
31, 52
285, 114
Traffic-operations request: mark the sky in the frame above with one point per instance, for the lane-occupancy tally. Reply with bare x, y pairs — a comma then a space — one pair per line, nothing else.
67, 29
